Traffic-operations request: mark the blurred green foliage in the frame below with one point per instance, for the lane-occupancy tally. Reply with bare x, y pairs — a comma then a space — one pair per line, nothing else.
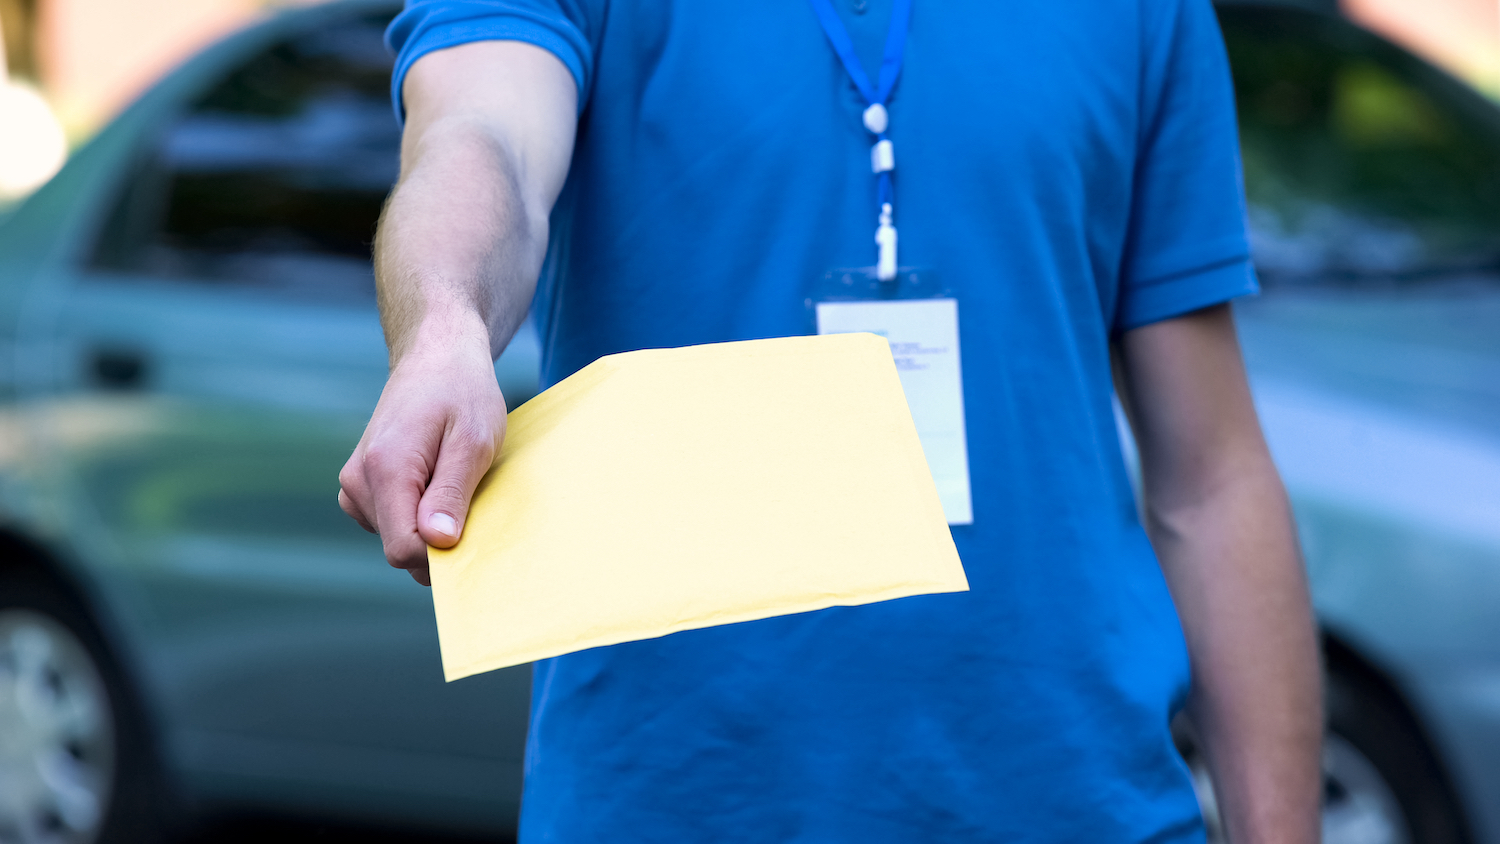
1332, 117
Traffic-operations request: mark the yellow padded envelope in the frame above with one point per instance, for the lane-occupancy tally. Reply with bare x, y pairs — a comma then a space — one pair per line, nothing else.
671, 489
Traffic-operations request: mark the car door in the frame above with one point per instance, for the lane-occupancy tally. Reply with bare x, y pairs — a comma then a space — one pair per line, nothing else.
217, 352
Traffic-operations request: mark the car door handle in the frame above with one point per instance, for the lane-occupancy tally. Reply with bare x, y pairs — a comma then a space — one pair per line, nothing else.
114, 368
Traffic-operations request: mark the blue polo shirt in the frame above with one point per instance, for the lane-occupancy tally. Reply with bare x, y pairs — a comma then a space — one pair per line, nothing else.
1070, 171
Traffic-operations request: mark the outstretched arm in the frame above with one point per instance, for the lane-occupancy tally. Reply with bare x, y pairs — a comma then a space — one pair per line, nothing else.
489, 134
1218, 517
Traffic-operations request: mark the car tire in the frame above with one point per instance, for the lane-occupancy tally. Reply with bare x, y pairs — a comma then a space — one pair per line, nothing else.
1376, 754
76, 764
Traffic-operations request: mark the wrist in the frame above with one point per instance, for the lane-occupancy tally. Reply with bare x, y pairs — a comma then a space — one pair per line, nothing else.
444, 331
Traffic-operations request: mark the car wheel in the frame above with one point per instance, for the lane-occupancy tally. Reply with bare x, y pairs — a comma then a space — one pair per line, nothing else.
1381, 784
75, 767
1359, 807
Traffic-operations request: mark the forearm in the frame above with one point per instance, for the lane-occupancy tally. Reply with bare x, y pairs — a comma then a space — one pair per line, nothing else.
1231, 559
458, 249
463, 236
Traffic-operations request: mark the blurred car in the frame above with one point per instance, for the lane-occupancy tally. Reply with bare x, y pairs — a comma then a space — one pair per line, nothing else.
1373, 182
189, 349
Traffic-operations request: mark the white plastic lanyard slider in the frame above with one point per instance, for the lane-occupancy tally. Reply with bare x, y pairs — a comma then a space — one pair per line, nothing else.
882, 162
885, 238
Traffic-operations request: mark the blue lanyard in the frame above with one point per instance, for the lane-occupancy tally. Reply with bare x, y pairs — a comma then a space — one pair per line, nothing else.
876, 118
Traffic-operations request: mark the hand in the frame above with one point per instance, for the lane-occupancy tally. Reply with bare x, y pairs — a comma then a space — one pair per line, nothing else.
434, 434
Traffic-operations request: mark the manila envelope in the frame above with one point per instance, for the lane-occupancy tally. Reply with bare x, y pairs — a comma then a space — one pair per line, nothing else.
671, 489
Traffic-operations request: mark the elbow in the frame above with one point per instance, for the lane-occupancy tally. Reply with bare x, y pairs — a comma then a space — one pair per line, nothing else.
1178, 504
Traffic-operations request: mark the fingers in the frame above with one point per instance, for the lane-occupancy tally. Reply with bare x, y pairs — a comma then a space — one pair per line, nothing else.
354, 511
397, 468
465, 456
356, 501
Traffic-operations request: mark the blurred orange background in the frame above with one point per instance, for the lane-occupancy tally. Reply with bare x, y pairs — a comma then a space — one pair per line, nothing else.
90, 57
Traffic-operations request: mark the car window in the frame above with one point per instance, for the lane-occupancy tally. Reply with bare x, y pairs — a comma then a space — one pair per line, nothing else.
274, 178
1360, 161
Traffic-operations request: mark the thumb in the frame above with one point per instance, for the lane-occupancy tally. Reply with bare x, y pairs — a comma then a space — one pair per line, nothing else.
462, 462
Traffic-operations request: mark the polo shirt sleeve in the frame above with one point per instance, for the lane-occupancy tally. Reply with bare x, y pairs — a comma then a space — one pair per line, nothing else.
1187, 246
558, 26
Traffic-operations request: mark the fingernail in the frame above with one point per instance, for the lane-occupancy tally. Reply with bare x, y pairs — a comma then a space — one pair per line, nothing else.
443, 523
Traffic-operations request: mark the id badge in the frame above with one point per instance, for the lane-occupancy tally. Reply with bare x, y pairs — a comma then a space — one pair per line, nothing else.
920, 320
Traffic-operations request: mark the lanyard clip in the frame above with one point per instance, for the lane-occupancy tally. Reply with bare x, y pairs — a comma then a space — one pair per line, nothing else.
885, 238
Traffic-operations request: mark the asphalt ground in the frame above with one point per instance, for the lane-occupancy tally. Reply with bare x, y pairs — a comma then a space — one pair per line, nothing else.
258, 830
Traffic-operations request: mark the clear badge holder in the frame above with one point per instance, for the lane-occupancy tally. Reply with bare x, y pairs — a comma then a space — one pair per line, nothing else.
915, 313
861, 284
